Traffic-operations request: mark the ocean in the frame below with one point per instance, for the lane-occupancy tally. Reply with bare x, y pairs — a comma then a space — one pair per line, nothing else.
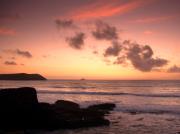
143, 106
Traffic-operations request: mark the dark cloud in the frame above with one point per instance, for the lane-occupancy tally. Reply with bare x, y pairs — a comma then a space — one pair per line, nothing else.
141, 58
64, 24
23, 53
77, 41
120, 60
174, 69
104, 31
19, 52
113, 50
10, 63
126, 52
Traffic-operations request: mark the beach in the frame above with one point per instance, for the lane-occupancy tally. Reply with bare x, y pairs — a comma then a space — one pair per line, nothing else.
142, 107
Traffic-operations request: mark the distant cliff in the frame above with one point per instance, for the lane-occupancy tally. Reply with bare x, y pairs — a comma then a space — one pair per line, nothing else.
21, 76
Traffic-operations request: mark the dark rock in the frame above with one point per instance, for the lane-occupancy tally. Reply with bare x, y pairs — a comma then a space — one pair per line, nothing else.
21, 76
18, 98
140, 119
75, 117
133, 112
105, 107
64, 104
18, 107
21, 110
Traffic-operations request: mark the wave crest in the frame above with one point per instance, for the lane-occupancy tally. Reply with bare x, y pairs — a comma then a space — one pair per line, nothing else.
108, 93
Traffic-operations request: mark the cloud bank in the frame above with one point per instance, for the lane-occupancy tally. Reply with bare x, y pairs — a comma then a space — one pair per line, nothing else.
126, 52
140, 56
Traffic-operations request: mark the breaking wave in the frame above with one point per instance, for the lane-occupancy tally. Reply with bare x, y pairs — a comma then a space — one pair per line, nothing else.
108, 93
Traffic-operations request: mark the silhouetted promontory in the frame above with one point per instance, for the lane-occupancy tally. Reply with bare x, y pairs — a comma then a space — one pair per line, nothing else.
20, 110
21, 76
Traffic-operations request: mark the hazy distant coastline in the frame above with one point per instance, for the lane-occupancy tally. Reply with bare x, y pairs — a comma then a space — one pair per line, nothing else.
21, 76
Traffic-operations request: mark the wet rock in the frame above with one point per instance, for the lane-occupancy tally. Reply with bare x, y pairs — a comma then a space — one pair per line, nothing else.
105, 107
19, 107
63, 104
133, 112
18, 98
21, 110
139, 119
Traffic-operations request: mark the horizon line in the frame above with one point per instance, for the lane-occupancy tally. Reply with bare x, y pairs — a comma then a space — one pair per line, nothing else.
121, 79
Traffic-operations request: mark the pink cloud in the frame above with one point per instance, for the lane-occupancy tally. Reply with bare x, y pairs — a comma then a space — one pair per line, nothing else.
155, 19
106, 8
7, 31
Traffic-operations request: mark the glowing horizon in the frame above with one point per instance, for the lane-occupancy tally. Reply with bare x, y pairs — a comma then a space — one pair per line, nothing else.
93, 39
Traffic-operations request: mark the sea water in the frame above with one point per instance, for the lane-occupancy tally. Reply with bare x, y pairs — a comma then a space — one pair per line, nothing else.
143, 106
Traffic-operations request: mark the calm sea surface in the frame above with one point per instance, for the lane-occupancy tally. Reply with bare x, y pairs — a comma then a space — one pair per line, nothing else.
157, 103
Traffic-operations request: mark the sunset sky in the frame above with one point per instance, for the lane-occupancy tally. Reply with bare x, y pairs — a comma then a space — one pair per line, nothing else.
92, 39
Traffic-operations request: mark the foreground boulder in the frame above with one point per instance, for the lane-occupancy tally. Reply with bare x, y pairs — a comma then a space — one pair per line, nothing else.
21, 98
20, 109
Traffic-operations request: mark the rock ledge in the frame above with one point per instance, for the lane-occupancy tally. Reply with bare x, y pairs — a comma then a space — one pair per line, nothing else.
21, 110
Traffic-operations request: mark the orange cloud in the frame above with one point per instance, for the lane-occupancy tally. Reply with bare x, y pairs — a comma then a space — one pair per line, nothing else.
7, 31
154, 19
106, 8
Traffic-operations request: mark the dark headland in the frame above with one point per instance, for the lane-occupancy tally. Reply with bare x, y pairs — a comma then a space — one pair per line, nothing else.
21, 110
21, 76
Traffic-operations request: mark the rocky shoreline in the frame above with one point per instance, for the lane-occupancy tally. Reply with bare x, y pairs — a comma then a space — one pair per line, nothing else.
20, 110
